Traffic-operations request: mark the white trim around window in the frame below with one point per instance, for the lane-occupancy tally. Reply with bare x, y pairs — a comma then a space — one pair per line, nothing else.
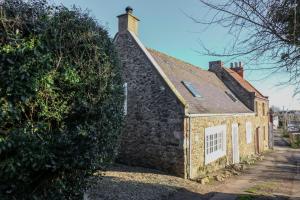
248, 132
215, 143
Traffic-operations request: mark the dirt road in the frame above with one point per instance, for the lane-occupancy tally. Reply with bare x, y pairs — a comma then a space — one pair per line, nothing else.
276, 177
278, 174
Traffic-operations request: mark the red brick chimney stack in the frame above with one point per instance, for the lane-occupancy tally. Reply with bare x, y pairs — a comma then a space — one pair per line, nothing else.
238, 68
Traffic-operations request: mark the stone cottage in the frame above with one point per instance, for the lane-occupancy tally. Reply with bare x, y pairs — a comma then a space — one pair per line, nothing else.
181, 119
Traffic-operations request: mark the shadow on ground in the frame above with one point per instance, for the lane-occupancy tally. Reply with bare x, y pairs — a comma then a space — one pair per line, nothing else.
184, 194
112, 188
122, 167
281, 167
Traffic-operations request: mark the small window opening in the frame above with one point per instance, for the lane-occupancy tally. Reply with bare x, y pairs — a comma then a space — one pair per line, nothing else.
231, 96
195, 92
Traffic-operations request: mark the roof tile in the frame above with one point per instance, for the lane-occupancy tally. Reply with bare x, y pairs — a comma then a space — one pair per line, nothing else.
214, 99
244, 83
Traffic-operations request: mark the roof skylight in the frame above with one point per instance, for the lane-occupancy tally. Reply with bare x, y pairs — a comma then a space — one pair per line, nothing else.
195, 92
231, 96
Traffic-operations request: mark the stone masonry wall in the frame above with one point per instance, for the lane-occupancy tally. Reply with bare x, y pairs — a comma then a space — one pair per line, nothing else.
154, 125
262, 121
198, 125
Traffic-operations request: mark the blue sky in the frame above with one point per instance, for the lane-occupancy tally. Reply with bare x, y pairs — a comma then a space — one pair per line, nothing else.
165, 27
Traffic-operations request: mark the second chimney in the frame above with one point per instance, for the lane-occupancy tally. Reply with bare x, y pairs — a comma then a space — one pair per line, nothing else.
128, 22
215, 65
238, 68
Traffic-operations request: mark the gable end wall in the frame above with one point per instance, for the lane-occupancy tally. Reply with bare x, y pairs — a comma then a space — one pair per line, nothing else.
153, 134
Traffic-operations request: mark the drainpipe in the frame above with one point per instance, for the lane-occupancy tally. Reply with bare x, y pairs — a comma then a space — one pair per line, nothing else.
190, 148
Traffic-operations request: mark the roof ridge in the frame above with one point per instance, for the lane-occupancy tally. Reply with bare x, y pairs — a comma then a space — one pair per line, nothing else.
195, 69
210, 86
256, 90
172, 57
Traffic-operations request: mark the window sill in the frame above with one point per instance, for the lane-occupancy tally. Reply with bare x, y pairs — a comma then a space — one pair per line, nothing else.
214, 156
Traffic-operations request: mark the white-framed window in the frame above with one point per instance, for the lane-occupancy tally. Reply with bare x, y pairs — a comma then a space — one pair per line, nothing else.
248, 132
125, 98
215, 143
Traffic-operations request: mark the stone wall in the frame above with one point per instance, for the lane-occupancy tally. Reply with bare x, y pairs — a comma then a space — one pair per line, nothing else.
154, 125
198, 125
262, 121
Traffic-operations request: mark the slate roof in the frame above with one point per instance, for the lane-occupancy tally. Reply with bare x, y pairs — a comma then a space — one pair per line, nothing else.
244, 83
214, 99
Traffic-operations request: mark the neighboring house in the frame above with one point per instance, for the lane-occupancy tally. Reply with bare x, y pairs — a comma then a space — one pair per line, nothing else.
233, 78
179, 118
288, 118
275, 122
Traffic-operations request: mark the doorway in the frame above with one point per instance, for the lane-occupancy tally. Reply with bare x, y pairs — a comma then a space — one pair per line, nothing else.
235, 144
256, 141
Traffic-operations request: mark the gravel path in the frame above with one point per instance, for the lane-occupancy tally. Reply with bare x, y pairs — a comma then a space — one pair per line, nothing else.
134, 183
280, 168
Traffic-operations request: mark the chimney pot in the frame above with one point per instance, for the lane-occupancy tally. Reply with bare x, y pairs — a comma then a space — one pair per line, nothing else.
129, 10
238, 68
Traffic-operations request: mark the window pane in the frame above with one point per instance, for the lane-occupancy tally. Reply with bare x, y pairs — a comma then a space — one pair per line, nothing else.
214, 143
195, 92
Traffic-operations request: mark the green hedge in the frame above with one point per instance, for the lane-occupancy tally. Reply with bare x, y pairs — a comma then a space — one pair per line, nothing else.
61, 100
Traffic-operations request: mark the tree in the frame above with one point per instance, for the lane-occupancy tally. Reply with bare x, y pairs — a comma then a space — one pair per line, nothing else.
275, 109
264, 31
61, 100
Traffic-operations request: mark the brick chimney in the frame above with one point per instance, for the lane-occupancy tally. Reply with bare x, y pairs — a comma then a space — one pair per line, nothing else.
216, 65
128, 22
238, 68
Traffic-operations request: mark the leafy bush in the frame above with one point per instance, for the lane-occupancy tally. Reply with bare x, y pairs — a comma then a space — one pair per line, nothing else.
60, 100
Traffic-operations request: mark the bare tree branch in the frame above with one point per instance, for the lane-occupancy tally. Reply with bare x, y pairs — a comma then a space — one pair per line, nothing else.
263, 31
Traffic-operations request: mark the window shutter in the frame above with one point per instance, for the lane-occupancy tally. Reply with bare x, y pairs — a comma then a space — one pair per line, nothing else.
248, 132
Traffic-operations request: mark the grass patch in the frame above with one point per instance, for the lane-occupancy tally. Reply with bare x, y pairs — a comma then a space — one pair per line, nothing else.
285, 135
295, 145
295, 141
246, 197
266, 188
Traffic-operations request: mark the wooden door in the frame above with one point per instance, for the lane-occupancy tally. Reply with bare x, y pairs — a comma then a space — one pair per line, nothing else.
256, 141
